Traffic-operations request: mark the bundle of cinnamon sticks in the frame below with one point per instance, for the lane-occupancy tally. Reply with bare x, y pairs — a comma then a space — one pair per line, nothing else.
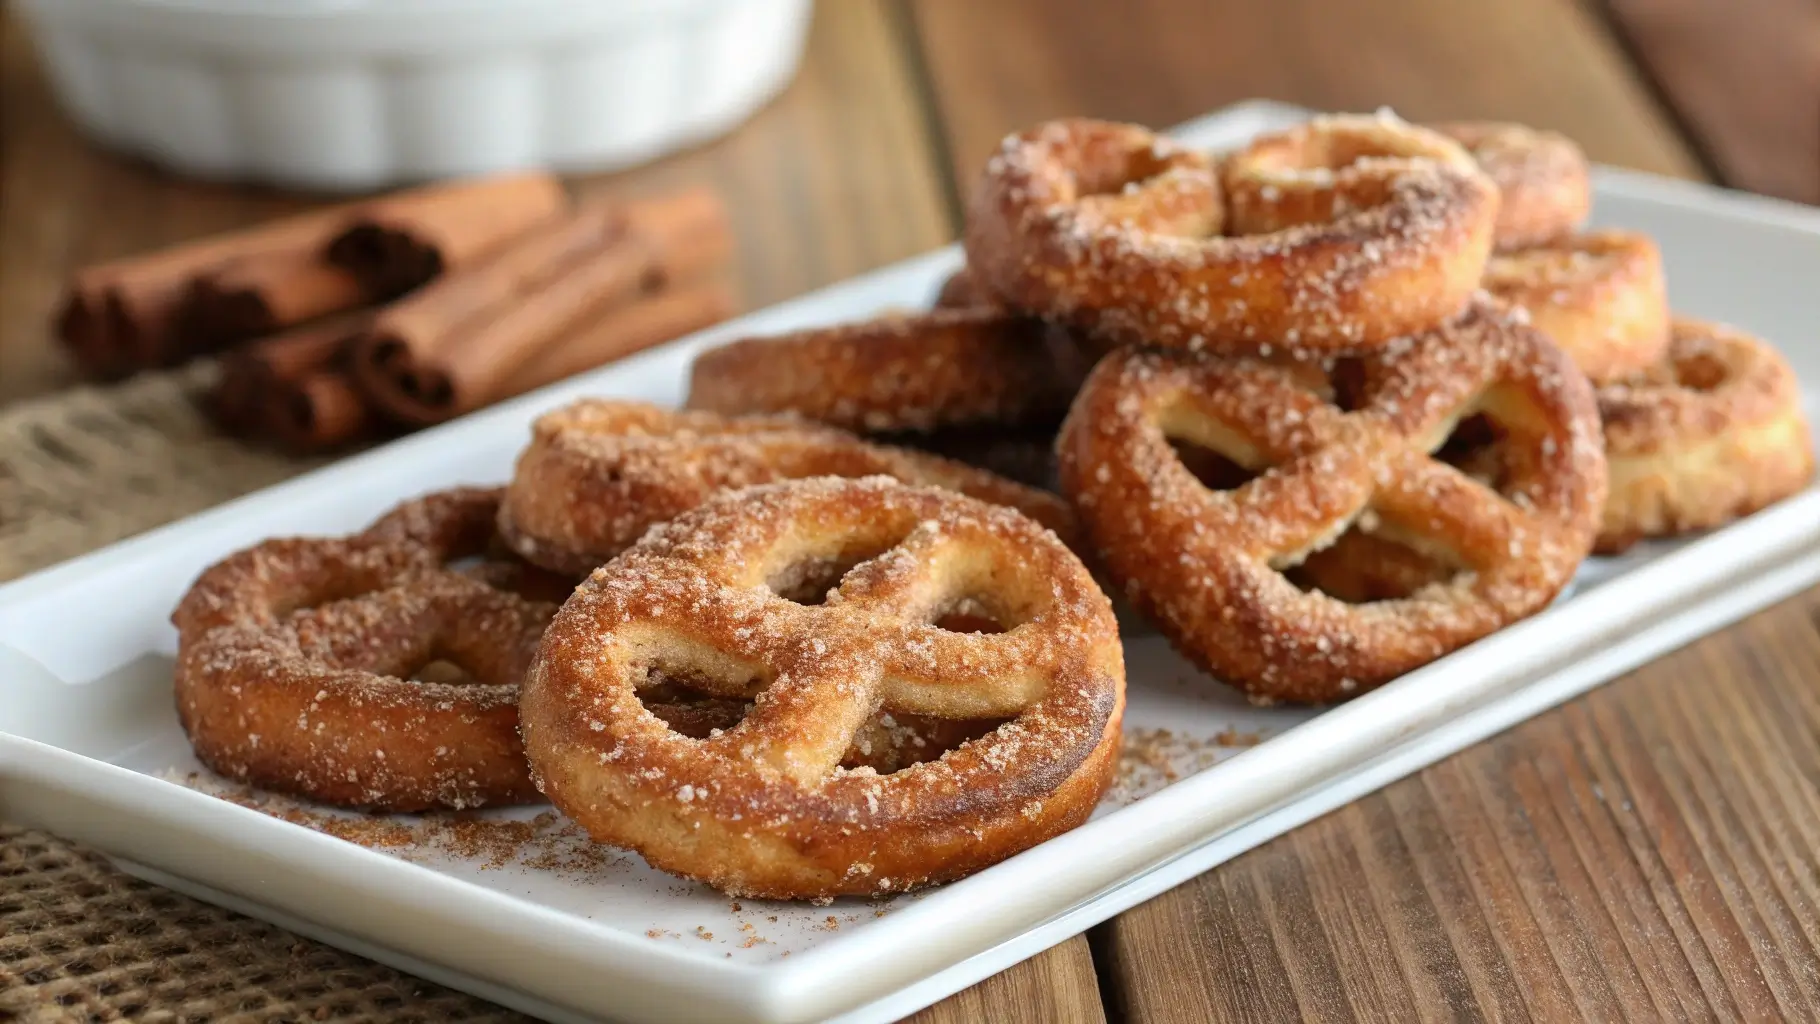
343, 324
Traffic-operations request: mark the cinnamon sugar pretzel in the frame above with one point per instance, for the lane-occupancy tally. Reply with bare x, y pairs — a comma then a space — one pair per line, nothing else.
1544, 184
1713, 432
1600, 296
914, 371
294, 658
1207, 565
1342, 234
597, 474
763, 807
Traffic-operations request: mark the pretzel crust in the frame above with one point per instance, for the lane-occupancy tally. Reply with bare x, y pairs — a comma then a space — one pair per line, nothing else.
917, 371
1206, 566
762, 808
597, 474
1350, 232
1600, 296
290, 655
1713, 433
1542, 177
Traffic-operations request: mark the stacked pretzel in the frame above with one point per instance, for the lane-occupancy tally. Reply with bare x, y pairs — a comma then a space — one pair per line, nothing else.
1320, 407
1365, 391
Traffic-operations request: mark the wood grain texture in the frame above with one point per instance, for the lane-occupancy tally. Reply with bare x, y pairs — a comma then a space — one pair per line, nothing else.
1647, 852
1056, 986
996, 67
833, 178
1744, 76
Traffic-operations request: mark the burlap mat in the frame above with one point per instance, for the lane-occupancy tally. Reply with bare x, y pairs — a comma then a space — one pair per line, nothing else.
80, 941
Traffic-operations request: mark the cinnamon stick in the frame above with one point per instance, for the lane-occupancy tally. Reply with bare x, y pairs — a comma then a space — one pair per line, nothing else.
258, 295
662, 316
450, 348
141, 311
253, 374
405, 240
318, 412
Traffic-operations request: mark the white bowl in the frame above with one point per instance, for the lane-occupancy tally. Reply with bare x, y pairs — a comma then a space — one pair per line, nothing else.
355, 94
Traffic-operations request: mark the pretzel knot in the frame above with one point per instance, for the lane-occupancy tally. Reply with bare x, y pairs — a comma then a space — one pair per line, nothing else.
1207, 565
765, 806
1712, 432
1342, 234
597, 474
294, 657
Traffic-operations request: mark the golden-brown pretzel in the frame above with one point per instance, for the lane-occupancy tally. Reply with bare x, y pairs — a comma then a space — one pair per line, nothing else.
1206, 565
597, 474
912, 371
1351, 232
1715, 432
1544, 184
1600, 296
294, 656
763, 808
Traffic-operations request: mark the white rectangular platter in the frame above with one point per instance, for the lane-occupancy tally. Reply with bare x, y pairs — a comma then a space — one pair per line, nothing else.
90, 747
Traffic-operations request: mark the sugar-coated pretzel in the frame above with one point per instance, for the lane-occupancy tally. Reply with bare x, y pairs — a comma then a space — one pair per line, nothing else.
1601, 296
1207, 565
910, 371
597, 474
294, 657
1544, 184
1714, 432
960, 290
763, 808
1342, 234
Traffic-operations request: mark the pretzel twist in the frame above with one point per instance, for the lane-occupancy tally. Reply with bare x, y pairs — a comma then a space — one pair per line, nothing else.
597, 474
1713, 432
921, 371
764, 808
1600, 296
1348, 232
294, 657
1207, 565
1544, 184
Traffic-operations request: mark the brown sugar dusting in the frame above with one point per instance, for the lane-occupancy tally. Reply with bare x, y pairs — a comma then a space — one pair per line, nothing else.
1153, 759
546, 842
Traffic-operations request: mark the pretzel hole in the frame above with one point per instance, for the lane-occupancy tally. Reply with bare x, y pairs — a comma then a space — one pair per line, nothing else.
808, 577
1363, 567
1215, 470
968, 615
689, 709
1700, 371
442, 670
889, 743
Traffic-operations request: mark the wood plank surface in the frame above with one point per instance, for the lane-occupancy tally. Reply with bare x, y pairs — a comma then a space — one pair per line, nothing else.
996, 67
1744, 76
1645, 853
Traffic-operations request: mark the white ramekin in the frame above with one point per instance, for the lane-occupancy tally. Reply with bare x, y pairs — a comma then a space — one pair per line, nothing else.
355, 94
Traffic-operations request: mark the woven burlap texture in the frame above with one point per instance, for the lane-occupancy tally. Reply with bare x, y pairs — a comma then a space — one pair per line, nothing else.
79, 940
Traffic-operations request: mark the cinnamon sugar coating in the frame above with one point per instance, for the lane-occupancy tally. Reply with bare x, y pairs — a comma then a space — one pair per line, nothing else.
763, 807
597, 474
914, 371
1207, 565
294, 658
1712, 433
1341, 234
1601, 296
1542, 177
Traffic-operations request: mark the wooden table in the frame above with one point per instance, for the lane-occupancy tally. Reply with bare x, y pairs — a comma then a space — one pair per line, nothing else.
1649, 851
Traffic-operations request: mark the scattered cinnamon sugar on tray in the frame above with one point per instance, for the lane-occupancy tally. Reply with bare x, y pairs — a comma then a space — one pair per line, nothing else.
547, 842
1155, 758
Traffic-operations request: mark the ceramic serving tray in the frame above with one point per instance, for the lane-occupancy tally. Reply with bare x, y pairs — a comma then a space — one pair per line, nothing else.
515, 906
